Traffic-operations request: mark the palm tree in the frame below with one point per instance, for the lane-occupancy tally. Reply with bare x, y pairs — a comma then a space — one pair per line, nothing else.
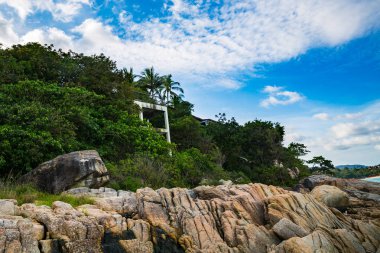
129, 76
167, 89
151, 82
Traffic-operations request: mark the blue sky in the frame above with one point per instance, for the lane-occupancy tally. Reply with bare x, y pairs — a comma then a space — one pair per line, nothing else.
313, 66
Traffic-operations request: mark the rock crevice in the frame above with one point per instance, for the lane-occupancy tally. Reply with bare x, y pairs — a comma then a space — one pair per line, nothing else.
226, 218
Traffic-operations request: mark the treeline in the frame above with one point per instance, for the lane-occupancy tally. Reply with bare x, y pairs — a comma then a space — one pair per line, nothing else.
369, 171
53, 102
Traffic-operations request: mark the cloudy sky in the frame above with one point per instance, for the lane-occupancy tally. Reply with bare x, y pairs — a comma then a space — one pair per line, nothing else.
312, 65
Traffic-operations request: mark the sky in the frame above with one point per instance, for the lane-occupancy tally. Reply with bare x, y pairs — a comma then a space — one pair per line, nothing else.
312, 65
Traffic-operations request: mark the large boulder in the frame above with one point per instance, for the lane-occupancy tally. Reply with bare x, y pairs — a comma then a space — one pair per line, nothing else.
342, 183
76, 169
331, 196
364, 196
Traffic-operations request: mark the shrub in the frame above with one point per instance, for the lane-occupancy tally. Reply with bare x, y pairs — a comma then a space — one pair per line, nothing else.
139, 170
191, 167
182, 169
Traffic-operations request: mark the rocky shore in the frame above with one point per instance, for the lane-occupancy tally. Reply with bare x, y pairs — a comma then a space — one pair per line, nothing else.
321, 214
225, 218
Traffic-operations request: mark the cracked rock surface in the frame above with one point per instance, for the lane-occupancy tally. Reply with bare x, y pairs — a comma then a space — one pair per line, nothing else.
226, 218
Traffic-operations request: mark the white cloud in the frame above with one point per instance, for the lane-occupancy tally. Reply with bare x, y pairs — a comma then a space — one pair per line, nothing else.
271, 89
343, 130
277, 96
227, 83
36, 35
349, 137
22, 7
67, 10
321, 116
124, 17
350, 115
61, 10
363, 129
352, 17
49, 36
7, 35
293, 136
196, 39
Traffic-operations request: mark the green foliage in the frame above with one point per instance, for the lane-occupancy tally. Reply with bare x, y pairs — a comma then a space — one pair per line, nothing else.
36, 62
191, 166
179, 109
169, 90
151, 82
53, 102
183, 169
226, 134
357, 173
297, 149
321, 165
239, 177
33, 62
188, 133
48, 199
291, 158
137, 171
255, 150
25, 193
39, 121
263, 141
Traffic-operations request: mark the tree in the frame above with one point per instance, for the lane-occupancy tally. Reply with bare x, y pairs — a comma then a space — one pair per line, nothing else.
261, 142
39, 121
187, 133
225, 133
31, 61
298, 149
179, 109
290, 159
98, 73
321, 164
168, 89
42, 62
151, 82
129, 76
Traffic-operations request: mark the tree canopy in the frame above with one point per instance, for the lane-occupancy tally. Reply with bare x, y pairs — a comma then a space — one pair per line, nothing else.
321, 164
53, 102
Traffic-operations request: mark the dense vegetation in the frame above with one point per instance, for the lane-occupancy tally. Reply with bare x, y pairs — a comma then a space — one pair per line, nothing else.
357, 173
53, 102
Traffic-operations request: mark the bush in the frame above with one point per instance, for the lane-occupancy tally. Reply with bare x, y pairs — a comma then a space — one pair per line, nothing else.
190, 167
188, 133
182, 169
137, 171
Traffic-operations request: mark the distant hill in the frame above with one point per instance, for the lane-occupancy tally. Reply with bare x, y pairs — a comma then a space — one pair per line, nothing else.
351, 166
356, 172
